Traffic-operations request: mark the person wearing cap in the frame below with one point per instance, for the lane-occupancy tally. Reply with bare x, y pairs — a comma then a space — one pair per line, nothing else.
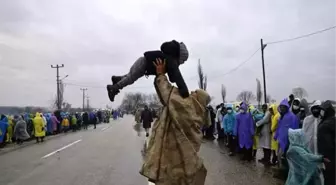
172, 153
175, 53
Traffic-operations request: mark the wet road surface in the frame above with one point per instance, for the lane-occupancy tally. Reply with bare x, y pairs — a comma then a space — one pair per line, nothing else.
111, 155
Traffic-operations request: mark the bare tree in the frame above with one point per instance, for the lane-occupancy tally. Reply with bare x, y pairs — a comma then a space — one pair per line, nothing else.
132, 101
259, 93
154, 101
202, 79
269, 99
66, 106
246, 96
300, 92
223, 91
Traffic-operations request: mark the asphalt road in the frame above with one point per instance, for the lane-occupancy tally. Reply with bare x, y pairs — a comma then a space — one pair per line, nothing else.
111, 155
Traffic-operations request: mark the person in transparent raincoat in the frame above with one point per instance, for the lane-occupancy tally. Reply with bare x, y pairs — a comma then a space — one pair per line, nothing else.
303, 164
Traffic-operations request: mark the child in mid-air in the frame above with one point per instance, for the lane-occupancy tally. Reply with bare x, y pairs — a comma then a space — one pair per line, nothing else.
173, 52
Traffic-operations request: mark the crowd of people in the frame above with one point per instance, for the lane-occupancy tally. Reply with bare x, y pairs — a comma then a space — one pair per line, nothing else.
22, 127
297, 140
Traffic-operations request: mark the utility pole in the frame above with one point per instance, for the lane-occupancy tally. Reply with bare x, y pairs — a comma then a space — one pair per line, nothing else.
83, 89
88, 103
58, 84
263, 67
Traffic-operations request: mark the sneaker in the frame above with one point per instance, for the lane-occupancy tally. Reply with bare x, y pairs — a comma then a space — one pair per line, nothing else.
112, 92
231, 154
115, 79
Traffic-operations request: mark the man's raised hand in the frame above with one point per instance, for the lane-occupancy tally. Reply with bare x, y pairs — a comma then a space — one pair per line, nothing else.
160, 66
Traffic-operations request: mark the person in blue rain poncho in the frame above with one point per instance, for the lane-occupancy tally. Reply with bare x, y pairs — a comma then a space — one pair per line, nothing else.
228, 123
3, 130
93, 119
49, 124
286, 121
303, 164
244, 128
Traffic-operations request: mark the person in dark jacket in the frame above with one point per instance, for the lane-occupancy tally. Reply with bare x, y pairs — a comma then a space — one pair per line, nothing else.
86, 120
146, 119
291, 99
209, 133
326, 140
173, 52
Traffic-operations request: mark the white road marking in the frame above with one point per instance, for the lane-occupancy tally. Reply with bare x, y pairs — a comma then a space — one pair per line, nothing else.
58, 150
105, 128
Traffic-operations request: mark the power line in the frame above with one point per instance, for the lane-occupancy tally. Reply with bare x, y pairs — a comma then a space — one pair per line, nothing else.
240, 65
302, 36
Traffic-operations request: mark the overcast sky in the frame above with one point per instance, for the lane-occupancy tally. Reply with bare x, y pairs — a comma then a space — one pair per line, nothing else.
96, 39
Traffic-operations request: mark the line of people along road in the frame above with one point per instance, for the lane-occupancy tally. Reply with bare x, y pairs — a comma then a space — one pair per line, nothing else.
23, 127
292, 137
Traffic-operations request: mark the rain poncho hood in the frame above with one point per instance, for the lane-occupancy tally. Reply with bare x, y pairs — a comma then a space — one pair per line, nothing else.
285, 103
172, 153
256, 114
303, 165
295, 100
251, 108
328, 108
243, 106
286, 121
274, 107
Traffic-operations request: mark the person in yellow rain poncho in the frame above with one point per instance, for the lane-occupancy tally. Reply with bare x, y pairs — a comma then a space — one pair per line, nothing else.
274, 125
73, 123
65, 124
10, 129
172, 152
39, 128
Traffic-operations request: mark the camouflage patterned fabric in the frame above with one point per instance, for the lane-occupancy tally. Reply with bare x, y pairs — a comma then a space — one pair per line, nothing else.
172, 153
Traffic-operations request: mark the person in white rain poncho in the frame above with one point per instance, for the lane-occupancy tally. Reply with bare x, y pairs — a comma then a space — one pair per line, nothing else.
265, 135
310, 125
